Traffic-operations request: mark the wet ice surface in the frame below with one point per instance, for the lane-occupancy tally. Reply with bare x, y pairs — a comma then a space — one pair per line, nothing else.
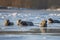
36, 16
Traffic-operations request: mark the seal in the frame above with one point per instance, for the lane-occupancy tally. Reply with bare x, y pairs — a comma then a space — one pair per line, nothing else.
24, 23
50, 20
8, 23
43, 26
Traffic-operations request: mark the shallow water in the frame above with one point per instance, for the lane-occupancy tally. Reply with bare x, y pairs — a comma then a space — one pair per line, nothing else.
35, 16
28, 37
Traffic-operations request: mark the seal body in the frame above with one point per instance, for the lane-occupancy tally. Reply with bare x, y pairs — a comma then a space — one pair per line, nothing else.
50, 20
43, 23
24, 23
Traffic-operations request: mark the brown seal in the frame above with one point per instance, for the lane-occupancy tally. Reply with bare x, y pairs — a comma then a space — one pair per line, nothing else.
43, 26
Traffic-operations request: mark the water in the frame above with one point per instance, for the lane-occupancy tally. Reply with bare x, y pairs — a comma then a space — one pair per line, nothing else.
35, 16
28, 37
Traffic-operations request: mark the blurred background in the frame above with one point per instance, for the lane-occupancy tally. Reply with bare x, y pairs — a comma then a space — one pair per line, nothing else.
34, 4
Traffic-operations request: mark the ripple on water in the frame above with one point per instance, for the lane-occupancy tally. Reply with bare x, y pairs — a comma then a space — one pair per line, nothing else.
19, 14
14, 14
2, 17
37, 17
